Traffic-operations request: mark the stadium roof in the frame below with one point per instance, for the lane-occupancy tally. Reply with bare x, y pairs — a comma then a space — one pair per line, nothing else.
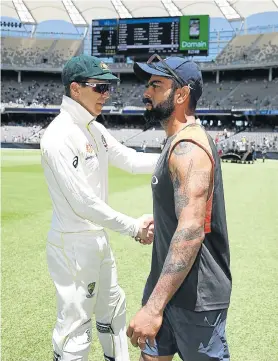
81, 13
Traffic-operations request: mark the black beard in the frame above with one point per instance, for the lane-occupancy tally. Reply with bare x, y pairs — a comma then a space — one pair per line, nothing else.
162, 112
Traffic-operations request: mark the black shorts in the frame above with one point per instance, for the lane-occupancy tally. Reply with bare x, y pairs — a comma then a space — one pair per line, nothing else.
195, 336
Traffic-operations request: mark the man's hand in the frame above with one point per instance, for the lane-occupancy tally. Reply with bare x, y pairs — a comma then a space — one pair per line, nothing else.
146, 229
144, 326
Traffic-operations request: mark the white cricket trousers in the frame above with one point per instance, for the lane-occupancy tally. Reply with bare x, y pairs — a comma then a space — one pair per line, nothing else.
84, 273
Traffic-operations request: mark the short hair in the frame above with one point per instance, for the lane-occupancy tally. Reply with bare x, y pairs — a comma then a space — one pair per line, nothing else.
67, 88
192, 103
175, 85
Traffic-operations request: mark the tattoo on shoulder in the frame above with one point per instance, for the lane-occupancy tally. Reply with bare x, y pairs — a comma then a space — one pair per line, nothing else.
183, 148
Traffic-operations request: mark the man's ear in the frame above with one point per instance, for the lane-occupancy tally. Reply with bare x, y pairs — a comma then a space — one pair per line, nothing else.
183, 94
75, 89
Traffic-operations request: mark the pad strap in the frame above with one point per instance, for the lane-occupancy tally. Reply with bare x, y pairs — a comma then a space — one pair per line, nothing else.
104, 327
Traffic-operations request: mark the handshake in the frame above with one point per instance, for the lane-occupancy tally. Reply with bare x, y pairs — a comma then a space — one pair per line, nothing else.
145, 234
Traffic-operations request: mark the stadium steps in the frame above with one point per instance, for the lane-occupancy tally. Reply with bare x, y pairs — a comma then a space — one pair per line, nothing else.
220, 56
228, 95
51, 48
35, 134
254, 45
41, 87
274, 100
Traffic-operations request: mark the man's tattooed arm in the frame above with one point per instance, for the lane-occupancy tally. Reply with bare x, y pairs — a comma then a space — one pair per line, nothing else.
190, 169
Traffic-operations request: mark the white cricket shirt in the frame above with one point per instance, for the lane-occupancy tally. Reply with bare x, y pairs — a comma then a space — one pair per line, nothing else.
75, 152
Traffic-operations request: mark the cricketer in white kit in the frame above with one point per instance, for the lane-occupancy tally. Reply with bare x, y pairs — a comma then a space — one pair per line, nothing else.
76, 150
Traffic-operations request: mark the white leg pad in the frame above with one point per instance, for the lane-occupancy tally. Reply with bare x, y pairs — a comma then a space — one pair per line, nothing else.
77, 345
112, 335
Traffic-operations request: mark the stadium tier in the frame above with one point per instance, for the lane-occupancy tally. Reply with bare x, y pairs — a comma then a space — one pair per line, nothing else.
241, 79
46, 89
136, 138
43, 53
252, 48
21, 53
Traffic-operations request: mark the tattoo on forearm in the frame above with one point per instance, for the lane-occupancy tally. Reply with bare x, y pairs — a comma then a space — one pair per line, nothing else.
187, 234
177, 265
183, 148
181, 261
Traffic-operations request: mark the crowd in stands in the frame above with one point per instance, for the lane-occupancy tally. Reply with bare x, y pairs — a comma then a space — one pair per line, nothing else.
23, 131
41, 53
252, 92
251, 48
246, 141
18, 130
228, 94
43, 91
45, 53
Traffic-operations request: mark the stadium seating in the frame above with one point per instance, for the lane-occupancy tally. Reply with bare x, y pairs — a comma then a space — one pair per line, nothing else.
42, 90
259, 138
251, 48
19, 133
250, 93
152, 138
32, 52
214, 94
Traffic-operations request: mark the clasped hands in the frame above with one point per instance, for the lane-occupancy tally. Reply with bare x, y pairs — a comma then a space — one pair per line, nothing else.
145, 234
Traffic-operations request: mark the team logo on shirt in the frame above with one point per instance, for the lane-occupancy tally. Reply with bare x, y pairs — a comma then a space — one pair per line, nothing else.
89, 148
90, 153
154, 180
91, 287
75, 162
104, 143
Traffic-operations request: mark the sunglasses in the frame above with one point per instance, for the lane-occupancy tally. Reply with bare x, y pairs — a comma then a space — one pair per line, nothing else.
100, 88
165, 69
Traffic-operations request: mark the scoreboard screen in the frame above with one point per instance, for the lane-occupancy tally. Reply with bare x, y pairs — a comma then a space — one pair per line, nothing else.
104, 37
148, 35
187, 35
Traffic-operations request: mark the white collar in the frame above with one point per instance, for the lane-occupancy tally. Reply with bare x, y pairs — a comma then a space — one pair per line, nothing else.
77, 111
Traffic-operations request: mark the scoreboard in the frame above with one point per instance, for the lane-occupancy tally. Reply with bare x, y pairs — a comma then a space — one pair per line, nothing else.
104, 37
143, 36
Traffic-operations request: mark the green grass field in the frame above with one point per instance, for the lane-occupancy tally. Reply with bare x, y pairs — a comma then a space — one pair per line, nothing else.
28, 298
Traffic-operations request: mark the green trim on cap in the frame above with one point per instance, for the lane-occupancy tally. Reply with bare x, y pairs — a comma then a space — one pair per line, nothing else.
106, 76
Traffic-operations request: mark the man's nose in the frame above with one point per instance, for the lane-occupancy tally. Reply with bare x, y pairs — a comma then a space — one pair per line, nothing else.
147, 94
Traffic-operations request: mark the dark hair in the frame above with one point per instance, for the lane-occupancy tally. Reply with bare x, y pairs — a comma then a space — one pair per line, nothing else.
67, 88
192, 103
175, 85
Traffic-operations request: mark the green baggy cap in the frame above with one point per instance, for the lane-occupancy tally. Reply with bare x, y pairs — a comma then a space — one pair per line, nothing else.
82, 67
